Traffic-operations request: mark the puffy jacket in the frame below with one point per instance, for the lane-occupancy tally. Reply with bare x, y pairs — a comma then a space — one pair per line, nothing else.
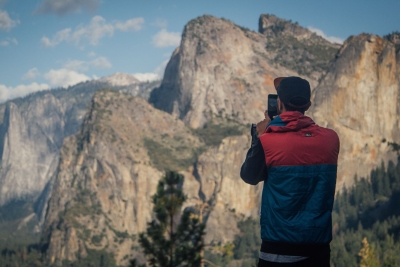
299, 169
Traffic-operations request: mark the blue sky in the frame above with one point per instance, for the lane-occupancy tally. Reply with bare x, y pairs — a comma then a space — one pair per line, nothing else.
56, 43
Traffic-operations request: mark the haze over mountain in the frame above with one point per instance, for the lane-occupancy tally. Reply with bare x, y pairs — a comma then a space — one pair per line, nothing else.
102, 153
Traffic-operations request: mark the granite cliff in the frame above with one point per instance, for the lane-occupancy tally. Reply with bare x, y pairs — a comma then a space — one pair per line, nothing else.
223, 70
101, 198
33, 129
359, 98
31, 134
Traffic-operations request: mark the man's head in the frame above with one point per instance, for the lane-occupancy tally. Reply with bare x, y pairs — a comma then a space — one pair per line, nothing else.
294, 94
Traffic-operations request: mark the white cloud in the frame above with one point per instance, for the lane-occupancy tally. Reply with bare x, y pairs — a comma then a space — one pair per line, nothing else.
158, 73
331, 39
134, 24
9, 41
6, 23
20, 90
79, 65
63, 7
92, 54
96, 30
31, 74
161, 23
101, 63
164, 38
64, 77
146, 77
59, 37
92, 33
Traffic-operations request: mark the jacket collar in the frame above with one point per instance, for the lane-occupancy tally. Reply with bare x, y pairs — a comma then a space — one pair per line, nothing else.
289, 121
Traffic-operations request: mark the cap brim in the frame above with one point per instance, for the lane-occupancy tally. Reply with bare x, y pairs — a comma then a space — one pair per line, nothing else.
277, 81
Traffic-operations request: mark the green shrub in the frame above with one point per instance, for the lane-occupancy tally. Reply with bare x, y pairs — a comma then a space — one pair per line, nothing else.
213, 133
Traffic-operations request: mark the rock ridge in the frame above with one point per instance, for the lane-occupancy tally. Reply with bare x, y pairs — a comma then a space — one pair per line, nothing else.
219, 70
101, 197
359, 98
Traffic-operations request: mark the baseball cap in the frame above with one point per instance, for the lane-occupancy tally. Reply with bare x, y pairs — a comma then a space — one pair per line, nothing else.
293, 91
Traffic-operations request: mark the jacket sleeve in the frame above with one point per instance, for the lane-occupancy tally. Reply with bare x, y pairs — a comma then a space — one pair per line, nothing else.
254, 169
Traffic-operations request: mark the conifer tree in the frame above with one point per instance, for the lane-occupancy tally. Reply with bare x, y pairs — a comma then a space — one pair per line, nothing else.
368, 256
168, 243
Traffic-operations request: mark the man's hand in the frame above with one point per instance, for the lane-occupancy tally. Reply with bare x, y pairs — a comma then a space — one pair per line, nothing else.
262, 125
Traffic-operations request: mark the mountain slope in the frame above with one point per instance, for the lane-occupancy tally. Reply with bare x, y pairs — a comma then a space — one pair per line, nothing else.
223, 70
297, 48
101, 197
31, 133
359, 98
35, 126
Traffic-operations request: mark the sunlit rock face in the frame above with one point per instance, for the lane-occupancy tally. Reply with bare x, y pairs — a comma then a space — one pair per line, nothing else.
359, 98
222, 70
108, 172
101, 196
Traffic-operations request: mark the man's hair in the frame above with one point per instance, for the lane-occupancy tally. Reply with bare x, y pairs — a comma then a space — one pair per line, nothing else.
289, 108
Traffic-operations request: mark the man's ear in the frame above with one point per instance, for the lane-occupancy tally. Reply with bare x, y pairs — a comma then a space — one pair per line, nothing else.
309, 105
281, 107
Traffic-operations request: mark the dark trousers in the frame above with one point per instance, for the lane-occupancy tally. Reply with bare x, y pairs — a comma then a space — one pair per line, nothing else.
315, 261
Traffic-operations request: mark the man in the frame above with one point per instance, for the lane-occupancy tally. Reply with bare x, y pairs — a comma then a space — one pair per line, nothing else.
297, 160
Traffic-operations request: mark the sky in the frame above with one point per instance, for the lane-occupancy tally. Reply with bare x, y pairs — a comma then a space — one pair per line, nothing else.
58, 43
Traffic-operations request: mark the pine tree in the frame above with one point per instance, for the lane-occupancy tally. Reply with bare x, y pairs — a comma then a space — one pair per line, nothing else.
368, 256
165, 242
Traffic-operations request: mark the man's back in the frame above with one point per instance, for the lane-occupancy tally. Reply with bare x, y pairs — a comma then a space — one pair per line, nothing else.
298, 195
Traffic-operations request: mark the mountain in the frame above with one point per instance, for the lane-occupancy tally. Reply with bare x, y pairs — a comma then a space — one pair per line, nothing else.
222, 70
34, 127
119, 79
359, 98
32, 131
101, 198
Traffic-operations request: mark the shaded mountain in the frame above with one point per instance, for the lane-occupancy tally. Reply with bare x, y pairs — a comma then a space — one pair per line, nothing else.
32, 131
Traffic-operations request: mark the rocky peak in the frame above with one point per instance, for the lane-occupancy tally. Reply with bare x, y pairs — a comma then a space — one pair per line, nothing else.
394, 37
296, 47
220, 70
271, 25
119, 79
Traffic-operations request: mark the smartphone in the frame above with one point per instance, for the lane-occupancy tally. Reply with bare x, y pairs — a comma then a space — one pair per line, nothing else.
272, 105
